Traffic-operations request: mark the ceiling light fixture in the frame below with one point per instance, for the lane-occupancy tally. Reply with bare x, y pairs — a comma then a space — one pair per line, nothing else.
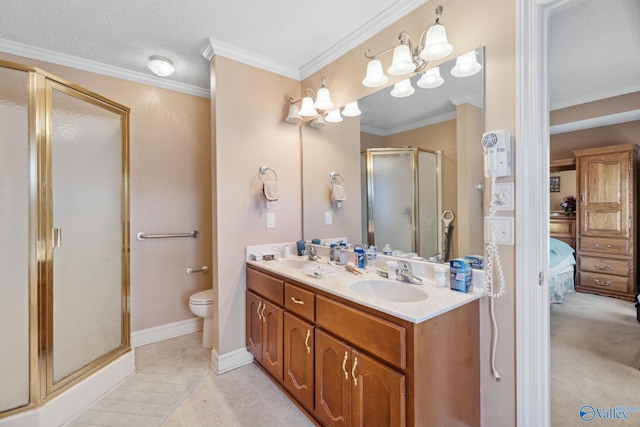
432, 45
160, 65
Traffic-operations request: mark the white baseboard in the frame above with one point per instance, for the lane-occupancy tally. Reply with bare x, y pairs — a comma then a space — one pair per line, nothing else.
70, 403
163, 332
221, 363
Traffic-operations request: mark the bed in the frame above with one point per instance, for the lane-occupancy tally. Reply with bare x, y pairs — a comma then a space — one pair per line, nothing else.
561, 270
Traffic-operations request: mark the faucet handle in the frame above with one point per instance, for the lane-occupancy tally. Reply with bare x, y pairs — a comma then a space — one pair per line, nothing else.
404, 265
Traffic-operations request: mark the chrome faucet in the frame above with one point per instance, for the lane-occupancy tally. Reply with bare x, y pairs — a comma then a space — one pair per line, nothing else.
436, 258
310, 252
405, 274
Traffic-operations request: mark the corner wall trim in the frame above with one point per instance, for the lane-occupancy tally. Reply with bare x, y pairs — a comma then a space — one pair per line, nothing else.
166, 331
221, 363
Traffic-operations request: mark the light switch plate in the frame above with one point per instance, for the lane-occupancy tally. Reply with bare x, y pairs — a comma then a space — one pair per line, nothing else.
328, 218
271, 220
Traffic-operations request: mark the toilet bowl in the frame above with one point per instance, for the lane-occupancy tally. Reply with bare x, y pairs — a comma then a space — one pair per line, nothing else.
201, 304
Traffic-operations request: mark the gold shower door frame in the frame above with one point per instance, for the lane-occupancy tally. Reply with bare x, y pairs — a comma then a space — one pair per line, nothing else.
42, 385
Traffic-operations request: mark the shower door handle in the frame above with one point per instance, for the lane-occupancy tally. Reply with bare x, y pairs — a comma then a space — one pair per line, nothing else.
56, 237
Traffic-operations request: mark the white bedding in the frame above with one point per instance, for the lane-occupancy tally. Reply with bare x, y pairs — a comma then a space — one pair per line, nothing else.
562, 273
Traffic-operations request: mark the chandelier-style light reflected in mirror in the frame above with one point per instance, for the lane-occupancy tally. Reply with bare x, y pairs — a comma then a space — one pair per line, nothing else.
317, 123
431, 79
375, 76
334, 116
466, 65
294, 114
351, 109
402, 89
432, 45
160, 66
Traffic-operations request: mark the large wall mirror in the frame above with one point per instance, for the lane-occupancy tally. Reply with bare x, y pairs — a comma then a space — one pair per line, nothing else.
446, 120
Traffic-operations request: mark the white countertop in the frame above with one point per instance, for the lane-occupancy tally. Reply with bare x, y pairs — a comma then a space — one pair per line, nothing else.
337, 282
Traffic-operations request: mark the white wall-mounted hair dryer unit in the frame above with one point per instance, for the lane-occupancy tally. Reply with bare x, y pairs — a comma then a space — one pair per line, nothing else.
497, 150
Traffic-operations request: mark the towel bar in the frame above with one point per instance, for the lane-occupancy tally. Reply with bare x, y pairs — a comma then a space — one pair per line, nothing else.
143, 236
204, 269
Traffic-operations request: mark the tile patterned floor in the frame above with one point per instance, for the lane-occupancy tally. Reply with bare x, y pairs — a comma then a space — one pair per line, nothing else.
239, 398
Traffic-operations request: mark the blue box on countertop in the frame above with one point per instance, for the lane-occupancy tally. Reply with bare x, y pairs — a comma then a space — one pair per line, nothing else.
477, 261
460, 275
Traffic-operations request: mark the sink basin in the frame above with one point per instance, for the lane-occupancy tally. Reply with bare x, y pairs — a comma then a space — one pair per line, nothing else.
290, 262
388, 290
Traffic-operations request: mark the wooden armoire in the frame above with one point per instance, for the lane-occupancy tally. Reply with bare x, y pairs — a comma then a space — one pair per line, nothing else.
606, 240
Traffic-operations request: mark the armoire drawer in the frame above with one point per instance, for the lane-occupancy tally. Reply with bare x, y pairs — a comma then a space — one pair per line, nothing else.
604, 245
619, 267
604, 281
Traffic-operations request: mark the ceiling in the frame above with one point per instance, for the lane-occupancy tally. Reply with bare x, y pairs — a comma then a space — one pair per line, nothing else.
594, 45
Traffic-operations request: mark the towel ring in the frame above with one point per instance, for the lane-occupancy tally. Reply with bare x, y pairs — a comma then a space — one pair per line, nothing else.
335, 176
264, 170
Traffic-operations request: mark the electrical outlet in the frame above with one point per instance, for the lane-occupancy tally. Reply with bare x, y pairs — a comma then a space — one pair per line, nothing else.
504, 191
328, 218
503, 229
271, 220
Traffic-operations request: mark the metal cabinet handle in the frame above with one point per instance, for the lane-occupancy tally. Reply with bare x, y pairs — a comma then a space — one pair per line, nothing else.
258, 310
306, 341
297, 301
597, 245
56, 237
353, 371
344, 366
607, 283
264, 319
606, 267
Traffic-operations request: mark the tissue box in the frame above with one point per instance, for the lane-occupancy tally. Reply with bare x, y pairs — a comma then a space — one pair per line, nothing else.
477, 261
460, 275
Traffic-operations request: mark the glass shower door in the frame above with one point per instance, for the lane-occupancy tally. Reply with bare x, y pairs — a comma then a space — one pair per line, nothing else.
87, 271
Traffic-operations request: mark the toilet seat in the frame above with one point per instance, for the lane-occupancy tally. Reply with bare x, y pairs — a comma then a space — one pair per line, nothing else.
202, 298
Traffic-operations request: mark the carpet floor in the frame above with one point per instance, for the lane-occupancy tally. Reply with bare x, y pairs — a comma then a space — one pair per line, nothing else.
595, 361
145, 399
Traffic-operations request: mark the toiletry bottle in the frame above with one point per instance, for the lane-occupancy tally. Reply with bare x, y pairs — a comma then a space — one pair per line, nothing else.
387, 250
372, 255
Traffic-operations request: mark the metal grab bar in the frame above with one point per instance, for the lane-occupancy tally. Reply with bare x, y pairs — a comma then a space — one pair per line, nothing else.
190, 270
143, 236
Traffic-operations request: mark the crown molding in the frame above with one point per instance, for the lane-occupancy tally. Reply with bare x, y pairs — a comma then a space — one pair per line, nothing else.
596, 122
361, 35
216, 47
592, 98
467, 98
409, 126
39, 54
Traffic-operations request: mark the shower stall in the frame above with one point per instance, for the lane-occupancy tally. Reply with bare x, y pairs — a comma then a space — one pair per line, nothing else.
403, 202
64, 215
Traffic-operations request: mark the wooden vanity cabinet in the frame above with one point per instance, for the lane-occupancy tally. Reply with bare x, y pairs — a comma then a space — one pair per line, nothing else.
346, 364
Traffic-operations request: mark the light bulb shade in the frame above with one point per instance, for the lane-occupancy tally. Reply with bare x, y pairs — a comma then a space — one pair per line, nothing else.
436, 45
294, 114
466, 65
323, 101
307, 107
375, 76
351, 109
402, 63
160, 65
317, 123
402, 89
334, 116
431, 79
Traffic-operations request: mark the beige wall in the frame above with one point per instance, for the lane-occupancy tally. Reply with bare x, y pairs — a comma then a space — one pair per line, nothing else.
250, 132
170, 191
562, 145
567, 188
467, 28
589, 110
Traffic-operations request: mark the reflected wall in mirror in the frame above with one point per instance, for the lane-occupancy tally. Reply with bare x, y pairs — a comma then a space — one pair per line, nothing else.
448, 119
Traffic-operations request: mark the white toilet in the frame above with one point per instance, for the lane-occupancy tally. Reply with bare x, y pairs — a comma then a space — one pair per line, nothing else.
201, 304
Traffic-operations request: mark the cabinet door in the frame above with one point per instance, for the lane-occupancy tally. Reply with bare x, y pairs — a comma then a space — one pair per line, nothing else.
377, 394
298, 359
272, 319
254, 325
604, 195
333, 386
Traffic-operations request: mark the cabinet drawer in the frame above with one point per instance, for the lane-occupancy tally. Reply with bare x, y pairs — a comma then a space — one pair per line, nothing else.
299, 301
604, 265
604, 246
377, 336
265, 285
604, 281
562, 228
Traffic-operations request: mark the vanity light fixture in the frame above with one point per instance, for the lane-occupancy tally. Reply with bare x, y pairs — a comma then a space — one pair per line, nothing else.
402, 88
351, 110
431, 79
334, 116
309, 107
432, 45
160, 65
466, 65
317, 123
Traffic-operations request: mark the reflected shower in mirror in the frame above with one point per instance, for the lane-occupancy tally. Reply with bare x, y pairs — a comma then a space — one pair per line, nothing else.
447, 118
